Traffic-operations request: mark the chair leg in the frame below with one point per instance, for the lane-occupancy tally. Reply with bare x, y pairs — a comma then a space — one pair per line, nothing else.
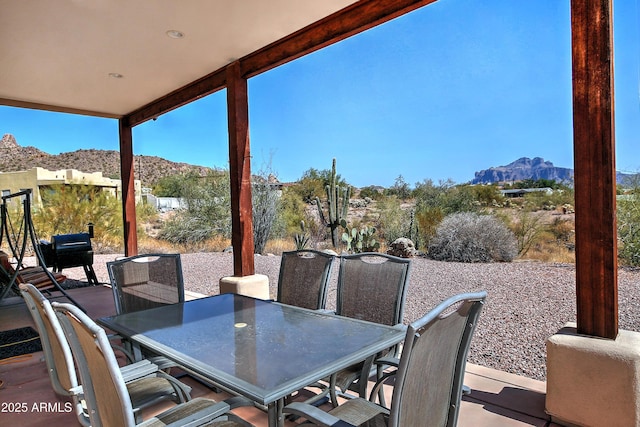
332, 391
379, 375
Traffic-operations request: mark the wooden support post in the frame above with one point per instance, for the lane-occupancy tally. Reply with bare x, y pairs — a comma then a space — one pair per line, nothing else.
595, 172
128, 189
240, 172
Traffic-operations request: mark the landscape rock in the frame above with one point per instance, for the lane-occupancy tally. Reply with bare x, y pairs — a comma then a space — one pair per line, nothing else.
402, 247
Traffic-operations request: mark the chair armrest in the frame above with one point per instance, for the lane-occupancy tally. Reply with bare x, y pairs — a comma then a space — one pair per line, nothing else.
238, 402
315, 415
140, 369
388, 361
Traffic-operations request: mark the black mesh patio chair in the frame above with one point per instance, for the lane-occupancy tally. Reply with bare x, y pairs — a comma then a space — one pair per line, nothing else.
146, 281
145, 383
303, 278
371, 286
428, 382
302, 282
105, 391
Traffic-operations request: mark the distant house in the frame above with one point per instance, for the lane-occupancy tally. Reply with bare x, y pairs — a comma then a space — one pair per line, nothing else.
40, 179
521, 192
164, 204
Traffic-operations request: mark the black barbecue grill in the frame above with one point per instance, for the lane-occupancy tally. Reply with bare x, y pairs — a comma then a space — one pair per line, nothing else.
71, 250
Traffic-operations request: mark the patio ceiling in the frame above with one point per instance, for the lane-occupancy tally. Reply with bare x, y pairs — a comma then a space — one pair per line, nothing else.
63, 55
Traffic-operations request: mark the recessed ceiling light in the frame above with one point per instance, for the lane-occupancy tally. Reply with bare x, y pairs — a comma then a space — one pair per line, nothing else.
116, 75
175, 34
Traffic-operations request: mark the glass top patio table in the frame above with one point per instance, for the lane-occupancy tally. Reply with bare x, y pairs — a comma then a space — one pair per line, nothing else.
260, 349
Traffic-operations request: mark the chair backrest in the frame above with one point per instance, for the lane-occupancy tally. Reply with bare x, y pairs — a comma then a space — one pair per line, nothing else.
146, 281
105, 392
372, 286
303, 278
428, 385
57, 353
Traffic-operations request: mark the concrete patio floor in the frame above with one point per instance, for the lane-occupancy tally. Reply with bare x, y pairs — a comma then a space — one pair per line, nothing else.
27, 399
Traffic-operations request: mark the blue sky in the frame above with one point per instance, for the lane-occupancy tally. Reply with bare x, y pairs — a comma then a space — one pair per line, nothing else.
448, 90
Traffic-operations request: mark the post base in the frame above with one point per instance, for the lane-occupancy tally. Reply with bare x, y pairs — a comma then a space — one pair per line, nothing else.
256, 285
593, 381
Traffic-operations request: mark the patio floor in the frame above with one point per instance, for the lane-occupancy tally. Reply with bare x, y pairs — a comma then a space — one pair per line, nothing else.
27, 399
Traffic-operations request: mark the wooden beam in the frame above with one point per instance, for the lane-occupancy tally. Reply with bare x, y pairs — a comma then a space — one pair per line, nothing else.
358, 17
240, 172
200, 88
595, 172
56, 108
128, 189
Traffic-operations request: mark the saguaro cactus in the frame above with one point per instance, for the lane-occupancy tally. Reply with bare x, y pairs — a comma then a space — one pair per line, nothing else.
337, 206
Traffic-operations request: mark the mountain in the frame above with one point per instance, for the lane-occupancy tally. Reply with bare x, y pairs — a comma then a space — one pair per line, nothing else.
149, 169
536, 168
523, 168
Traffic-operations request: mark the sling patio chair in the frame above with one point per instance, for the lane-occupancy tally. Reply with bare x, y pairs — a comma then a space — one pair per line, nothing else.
146, 281
428, 381
302, 282
371, 286
104, 387
303, 278
145, 383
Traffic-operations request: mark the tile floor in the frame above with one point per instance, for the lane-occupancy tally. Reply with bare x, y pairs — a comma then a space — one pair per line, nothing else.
27, 399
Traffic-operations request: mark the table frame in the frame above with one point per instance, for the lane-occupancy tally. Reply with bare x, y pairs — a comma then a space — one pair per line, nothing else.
273, 399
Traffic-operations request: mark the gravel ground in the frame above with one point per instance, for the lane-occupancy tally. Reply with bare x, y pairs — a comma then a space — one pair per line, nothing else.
527, 302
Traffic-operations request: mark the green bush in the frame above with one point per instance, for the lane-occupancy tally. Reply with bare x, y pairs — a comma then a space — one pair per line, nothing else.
70, 208
313, 182
427, 218
469, 237
371, 192
208, 211
629, 230
393, 221
528, 227
291, 211
265, 201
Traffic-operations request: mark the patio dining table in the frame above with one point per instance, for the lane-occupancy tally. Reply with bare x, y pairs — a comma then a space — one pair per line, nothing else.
259, 349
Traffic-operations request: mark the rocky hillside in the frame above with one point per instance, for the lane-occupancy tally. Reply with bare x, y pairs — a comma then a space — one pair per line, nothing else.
149, 169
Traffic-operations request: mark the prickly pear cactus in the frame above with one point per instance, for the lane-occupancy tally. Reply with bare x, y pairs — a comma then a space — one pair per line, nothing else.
359, 241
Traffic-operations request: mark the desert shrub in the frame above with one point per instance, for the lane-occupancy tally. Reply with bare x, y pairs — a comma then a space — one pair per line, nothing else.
400, 189
208, 211
446, 196
528, 228
469, 237
393, 221
549, 201
172, 185
487, 195
292, 210
628, 216
313, 182
371, 192
265, 200
427, 218
562, 229
69, 208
